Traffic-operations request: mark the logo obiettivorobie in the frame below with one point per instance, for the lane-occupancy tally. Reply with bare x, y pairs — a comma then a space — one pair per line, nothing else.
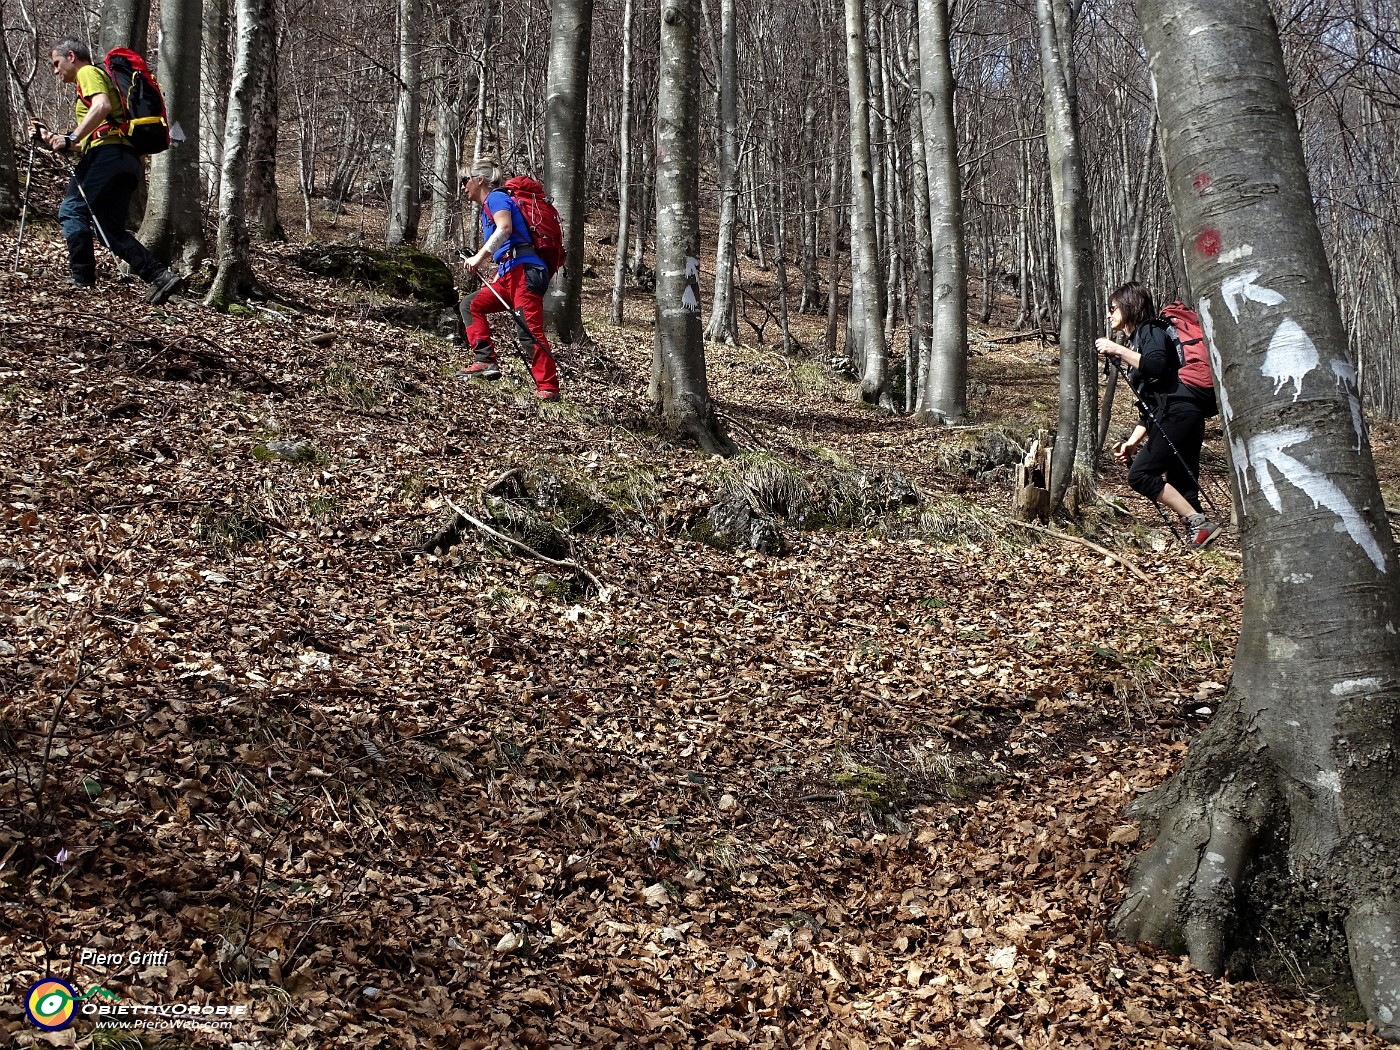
51, 1004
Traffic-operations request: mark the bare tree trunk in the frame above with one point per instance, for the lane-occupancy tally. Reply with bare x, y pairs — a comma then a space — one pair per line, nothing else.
921, 334
174, 225
215, 73
865, 310
810, 302
680, 389
234, 277
1296, 772
10, 191
943, 387
444, 227
264, 221
566, 126
124, 23
721, 327
1077, 293
404, 203
624, 175
833, 242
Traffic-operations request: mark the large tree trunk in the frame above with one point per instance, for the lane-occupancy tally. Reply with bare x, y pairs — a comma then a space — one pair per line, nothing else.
679, 386
1299, 770
215, 72
943, 386
404, 204
722, 326
263, 217
867, 292
566, 127
10, 199
234, 276
450, 89
124, 23
1078, 295
174, 225
624, 174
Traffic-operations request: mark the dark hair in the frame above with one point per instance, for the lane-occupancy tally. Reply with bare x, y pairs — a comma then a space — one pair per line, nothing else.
73, 44
1135, 301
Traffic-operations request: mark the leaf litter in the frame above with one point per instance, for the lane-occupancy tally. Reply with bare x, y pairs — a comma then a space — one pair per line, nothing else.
866, 793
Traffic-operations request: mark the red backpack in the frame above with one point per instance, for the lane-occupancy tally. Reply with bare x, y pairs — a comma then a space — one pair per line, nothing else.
145, 122
541, 218
1190, 340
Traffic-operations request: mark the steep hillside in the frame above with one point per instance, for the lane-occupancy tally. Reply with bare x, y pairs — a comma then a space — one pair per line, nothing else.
650, 792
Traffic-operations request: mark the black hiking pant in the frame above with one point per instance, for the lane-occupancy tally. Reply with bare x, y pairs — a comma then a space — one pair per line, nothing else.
100, 191
1156, 465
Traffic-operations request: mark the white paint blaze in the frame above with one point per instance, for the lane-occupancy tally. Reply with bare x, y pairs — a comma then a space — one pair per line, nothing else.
1242, 287
1265, 455
1353, 686
1292, 355
1244, 251
1346, 379
1216, 368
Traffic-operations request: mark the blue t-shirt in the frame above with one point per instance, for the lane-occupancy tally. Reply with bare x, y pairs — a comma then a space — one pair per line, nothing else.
525, 254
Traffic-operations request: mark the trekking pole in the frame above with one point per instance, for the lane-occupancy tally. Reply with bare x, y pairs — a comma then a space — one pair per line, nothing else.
24, 208
1146, 409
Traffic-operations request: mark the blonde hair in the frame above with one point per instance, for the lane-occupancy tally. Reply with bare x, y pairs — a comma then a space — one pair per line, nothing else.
482, 168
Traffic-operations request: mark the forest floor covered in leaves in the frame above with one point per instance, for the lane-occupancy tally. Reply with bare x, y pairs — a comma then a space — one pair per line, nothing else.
868, 792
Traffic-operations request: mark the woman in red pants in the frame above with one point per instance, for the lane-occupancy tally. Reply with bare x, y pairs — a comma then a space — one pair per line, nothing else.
521, 280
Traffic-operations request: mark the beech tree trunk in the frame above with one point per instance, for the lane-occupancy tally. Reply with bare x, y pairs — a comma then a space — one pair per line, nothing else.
263, 217
10, 189
1078, 294
867, 289
943, 385
566, 126
624, 175
679, 386
443, 231
124, 23
404, 203
215, 72
174, 225
234, 277
722, 327
1299, 769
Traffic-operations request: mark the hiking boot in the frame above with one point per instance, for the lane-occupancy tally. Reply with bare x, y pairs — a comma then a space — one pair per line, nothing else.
547, 395
163, 287
74, 281
1200, 530
481, 370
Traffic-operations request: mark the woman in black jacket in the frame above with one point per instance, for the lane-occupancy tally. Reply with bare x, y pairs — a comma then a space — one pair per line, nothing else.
1170, 413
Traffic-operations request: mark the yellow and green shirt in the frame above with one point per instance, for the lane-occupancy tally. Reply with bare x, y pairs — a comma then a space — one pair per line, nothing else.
93, 80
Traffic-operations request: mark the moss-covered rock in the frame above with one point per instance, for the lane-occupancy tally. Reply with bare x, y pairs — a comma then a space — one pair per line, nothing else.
403, 271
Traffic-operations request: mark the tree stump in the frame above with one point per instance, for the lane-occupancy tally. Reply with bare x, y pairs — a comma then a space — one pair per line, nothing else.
1032, 498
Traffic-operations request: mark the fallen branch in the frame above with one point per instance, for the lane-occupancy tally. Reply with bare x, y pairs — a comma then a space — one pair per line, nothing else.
513, 542
1092, 546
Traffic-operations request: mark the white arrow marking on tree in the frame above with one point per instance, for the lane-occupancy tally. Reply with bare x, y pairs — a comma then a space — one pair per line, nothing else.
1291, 356
1243, 287
692, 267
690, 300
1346, 378
1267, 450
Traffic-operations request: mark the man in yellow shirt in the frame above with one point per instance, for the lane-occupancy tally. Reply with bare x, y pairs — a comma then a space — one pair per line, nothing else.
108, 172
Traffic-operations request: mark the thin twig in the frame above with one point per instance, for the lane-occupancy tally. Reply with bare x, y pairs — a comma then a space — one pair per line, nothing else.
512, 541
1092, 546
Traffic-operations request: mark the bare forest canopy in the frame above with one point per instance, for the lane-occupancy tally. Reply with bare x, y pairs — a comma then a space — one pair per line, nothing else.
328, 121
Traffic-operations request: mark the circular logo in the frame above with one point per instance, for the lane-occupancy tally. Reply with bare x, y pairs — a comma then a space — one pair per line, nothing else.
50, 1004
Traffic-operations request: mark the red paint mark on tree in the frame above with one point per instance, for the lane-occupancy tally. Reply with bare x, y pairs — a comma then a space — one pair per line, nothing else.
1201, 182
1208, 243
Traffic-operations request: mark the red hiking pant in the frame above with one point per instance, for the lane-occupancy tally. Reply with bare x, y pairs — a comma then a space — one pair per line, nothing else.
527, 306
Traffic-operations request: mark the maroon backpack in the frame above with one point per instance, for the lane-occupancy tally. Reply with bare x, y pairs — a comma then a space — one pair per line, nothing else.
542, 218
